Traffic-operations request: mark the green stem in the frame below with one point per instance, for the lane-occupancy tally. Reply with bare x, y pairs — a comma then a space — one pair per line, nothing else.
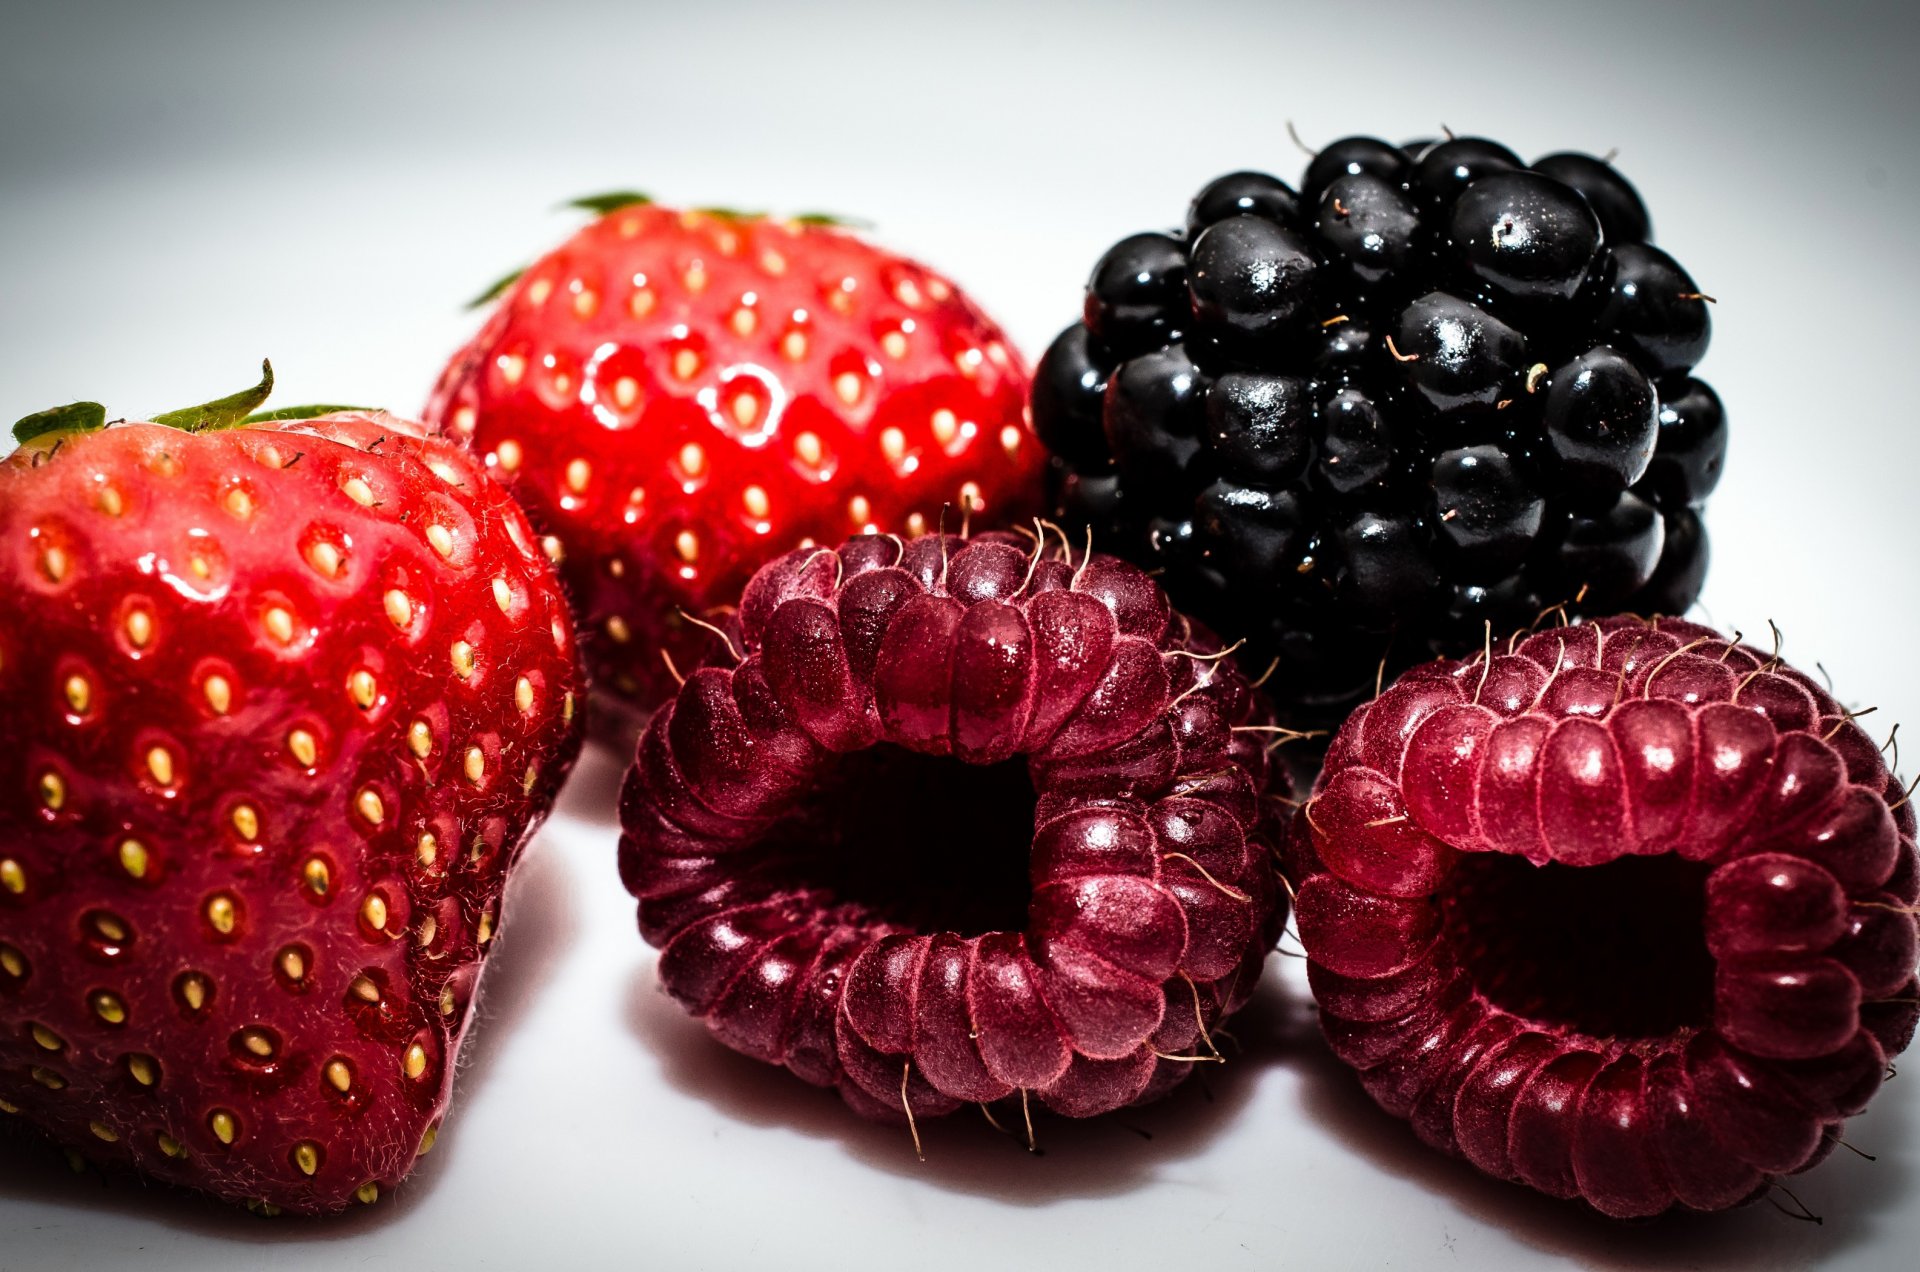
226, 412
313, 411
498, 289
610, 202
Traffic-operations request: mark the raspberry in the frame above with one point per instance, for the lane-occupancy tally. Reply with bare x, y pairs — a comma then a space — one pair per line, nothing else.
1433, 390
1624, 914
959, 820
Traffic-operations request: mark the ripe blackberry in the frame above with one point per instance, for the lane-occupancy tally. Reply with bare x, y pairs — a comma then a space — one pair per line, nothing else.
1624, 912
1434, 389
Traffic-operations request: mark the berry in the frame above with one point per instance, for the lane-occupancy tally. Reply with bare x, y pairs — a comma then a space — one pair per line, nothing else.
287, 698
1068, 388
1654, 312
1350, 157
1154, 414
1342, 350
883, 711
1486, 511
1446, 169
1138, 290
1525, 236
1622, 215
1608, 555
1388, 563
1601, 417
678, 397
1255, 534
1261, 426
1250, 279
1683, 565
1368, 221
1242, 192
1460, 357
1436, 391
1358, 449
1693, 444
1625, 913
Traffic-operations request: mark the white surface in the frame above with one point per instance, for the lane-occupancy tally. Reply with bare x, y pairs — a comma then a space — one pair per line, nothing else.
189, 187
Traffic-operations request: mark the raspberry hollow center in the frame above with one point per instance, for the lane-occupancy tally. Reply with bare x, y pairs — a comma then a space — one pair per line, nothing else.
1613, 951
927, 843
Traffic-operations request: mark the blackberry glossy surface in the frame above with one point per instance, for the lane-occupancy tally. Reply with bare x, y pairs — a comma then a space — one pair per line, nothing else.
1433, 388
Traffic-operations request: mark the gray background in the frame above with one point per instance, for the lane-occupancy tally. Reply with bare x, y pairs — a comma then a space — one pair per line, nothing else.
188, 187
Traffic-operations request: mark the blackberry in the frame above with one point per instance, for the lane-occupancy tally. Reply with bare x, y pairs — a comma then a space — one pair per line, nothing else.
1432, 389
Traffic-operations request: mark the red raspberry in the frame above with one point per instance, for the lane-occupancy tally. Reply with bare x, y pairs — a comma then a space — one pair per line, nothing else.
823, 892
1623, 914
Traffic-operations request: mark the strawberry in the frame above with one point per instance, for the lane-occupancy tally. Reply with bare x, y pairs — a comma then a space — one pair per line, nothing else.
679, 397
286, 697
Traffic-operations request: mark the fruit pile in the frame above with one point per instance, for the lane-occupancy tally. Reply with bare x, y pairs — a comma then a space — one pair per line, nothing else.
970, 808
1433, 390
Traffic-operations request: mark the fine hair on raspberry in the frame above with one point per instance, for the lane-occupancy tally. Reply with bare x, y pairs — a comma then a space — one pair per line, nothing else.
960, 820
1625, 913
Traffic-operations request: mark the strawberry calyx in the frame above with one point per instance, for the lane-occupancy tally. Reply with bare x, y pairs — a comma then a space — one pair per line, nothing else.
829, 219
599, 204
233, 411
226, 412
614, 200
497, 288
74, 417
305, 411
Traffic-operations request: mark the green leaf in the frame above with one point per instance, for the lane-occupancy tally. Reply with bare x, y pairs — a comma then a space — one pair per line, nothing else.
498, 289
731, 214
74, 417
223, 412
610, 202
831, 218
301, 412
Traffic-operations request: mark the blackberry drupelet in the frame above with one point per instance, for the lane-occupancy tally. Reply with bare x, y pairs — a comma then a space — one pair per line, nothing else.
1435, 388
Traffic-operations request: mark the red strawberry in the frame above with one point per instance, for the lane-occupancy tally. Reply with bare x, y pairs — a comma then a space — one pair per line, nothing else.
285, 698
679, 397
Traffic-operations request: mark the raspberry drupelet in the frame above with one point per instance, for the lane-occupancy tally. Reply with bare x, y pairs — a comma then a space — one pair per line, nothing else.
1625, 913
960, 820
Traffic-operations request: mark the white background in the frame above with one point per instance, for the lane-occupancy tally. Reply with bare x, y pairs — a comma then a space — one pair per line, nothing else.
189, 187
